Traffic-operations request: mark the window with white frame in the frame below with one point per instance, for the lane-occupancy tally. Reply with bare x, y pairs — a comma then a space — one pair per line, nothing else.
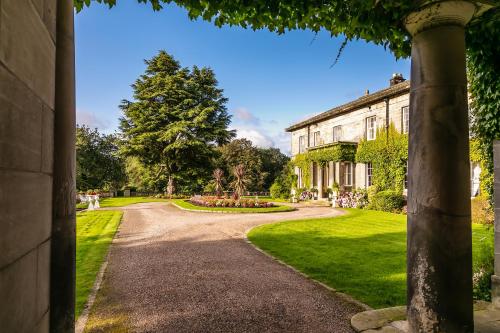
337, 133
302, 144
405, 119
348, 173
371, 128
369, 174
316, 139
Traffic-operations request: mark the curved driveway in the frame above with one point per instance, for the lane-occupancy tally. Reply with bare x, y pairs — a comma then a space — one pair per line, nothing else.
176, 271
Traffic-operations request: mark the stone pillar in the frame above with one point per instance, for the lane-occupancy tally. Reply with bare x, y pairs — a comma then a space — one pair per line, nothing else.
495, 279
319, 170
63, 250
27, 75
439, 224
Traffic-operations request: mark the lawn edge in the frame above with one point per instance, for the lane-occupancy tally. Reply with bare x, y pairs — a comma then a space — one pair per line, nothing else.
292, 209
341, 295
82, 320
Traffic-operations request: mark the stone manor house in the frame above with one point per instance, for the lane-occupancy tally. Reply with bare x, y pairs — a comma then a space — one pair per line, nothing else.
347, 124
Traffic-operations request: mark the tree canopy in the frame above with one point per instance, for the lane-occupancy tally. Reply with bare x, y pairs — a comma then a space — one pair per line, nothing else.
98, 165
177, 118
380, 22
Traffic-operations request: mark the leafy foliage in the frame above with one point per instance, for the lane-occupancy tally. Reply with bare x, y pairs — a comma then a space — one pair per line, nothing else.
143, 178
98, 165
240, 182
378, 21
218, 175
177, 119
481, 211
336, 152
283, 184
388, 154
483, 40
242, 151
387, 201
273, 162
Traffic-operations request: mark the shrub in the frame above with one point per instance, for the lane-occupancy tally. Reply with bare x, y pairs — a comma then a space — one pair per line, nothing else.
355, 199
278, 190
388, 201
481, 210
213, 201
371, 191
210, 187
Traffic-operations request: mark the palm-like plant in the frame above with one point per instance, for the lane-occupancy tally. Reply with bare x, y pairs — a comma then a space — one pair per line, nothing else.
239, 183
218, 174
170, 186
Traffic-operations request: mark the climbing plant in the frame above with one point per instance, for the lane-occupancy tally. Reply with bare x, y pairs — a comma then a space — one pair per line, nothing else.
388, 154
380, 22
483, 40
336, 153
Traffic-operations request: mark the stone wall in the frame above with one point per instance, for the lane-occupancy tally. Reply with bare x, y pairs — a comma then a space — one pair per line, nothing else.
353, 123
27, 81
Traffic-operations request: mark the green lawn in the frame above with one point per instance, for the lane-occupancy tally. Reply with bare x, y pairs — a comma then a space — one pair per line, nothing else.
362, 253
125, 201
187, 205
94, 232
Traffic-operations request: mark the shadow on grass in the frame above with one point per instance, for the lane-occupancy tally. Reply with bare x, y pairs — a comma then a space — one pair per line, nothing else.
371, 268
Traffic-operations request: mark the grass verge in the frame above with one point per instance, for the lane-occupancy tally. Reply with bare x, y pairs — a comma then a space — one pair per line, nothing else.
94, 232
125, 201
362, 253
187, 205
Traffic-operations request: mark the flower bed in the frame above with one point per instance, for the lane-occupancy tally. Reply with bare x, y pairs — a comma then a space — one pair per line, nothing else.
212, 201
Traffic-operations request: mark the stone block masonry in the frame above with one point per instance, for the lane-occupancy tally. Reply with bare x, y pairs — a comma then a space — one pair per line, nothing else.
27, 95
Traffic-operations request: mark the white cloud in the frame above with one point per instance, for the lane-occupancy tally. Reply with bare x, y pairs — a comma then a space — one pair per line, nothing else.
256, 136
90, 119
262, 134
242, 115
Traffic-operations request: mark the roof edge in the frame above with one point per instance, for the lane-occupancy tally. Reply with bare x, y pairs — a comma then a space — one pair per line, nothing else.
395, 90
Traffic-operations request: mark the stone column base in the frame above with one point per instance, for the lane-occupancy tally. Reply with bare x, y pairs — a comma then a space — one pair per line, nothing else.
495, 291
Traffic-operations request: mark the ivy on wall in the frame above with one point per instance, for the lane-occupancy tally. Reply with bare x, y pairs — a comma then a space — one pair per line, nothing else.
336, 152
388, 154
483, 71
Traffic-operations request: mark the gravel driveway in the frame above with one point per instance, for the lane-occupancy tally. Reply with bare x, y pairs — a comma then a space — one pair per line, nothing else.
177, 271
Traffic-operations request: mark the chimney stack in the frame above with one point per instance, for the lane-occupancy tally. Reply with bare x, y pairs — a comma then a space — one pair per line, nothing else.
396, 78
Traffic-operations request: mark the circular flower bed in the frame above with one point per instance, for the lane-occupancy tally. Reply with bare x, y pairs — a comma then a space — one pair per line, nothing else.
206, 201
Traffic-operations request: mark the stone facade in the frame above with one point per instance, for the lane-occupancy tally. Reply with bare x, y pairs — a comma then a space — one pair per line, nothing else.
27, 90
350, 123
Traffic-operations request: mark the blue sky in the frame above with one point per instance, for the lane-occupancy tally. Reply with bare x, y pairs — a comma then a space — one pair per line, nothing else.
271, 80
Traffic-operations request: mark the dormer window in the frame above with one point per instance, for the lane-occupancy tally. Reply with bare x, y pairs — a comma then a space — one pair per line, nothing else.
371, 128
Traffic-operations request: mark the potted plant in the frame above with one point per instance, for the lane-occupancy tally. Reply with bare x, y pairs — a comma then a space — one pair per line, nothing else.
314, 192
